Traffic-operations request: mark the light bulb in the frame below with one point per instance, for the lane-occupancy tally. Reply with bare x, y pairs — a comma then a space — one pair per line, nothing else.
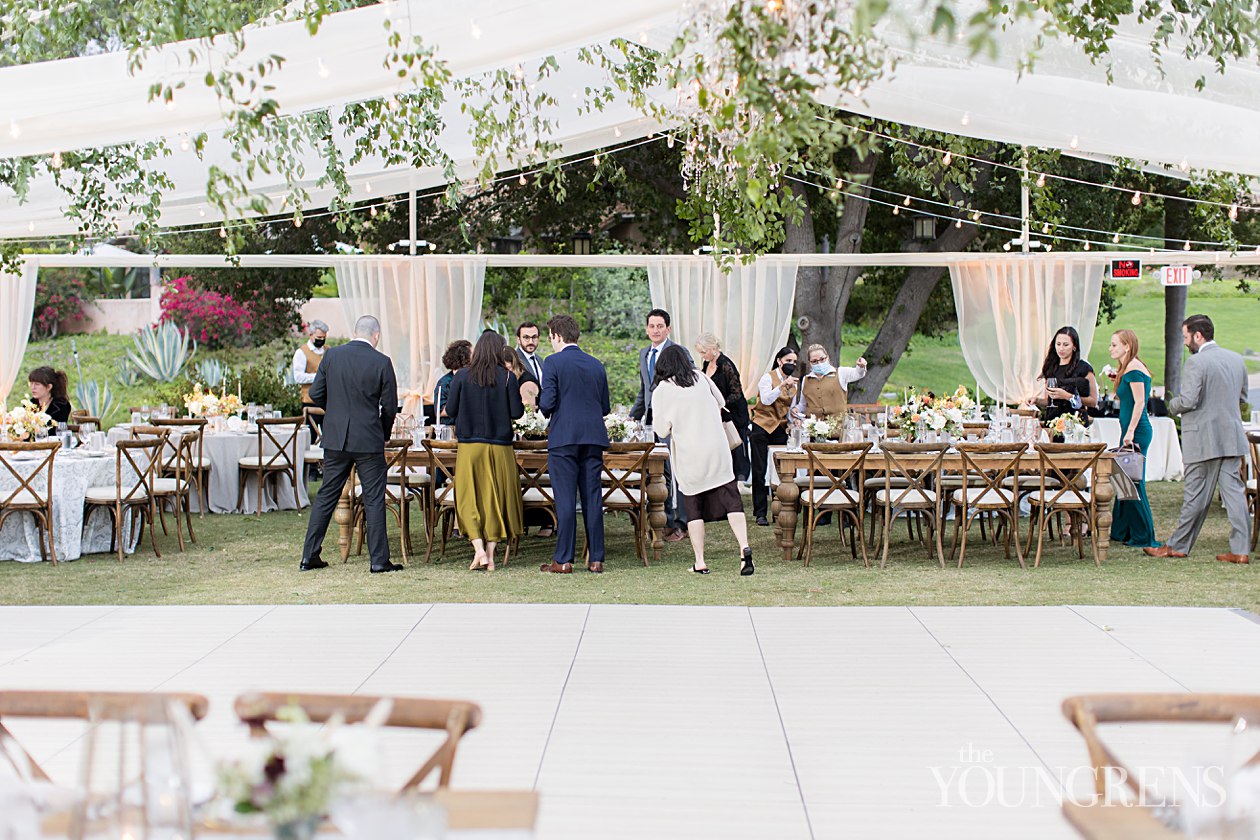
596, 159
321, 68
522, 179
1087, 247
966, 118
906, 201
1136, 199
1184, 166
520, 71
474, 30
201, 213
948, 159
1006, 246
669, 140
222, 232
896, 211
31, 227
1233, 212
392, 103
975, 217
297, 221
1186, 247
15, 131
1049, 248
1041, 180
1075, 142
367, 187
1045, 228
372, 212
617, 131
56, 162
432, 246
958, 223
1116, 239
184, 143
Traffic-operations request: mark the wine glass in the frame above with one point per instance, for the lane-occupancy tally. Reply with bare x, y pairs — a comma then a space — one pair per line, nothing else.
146, 411
1051, 384
85, 432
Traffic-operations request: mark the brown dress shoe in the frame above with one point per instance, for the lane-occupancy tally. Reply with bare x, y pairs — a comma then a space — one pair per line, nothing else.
557, 568
1162, 551
596, 567
675, 535
1241, 559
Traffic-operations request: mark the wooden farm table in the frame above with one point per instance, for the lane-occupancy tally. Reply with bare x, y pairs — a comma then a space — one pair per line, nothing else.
1116, 822
787, 496
657, 492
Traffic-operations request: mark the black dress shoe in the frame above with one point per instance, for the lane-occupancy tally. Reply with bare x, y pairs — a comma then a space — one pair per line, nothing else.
763, 522
388, 567
312, 563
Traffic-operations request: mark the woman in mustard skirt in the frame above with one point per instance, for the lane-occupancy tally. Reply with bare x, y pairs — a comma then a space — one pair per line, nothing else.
483, 401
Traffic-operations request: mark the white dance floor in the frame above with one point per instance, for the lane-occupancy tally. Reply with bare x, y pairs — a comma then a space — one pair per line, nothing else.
646, 721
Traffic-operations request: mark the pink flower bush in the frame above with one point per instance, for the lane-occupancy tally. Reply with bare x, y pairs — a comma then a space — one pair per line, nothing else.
214, 319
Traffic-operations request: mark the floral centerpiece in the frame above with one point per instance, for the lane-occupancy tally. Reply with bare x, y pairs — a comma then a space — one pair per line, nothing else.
1069, 426
294, 777
943, 415
531, 425
25, 420
821, 428
620, 427
201, 403
230, 404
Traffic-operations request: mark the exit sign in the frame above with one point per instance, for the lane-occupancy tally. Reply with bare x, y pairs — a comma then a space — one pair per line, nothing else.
1126, 269
1176, 275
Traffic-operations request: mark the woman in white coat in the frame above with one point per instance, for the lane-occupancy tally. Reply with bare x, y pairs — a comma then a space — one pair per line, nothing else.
687, 408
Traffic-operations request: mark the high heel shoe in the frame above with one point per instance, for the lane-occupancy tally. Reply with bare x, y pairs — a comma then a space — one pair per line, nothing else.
746, 563
703, 571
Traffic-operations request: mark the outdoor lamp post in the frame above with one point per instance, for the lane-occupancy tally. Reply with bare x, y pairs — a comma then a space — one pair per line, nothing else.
924, 228
581, 243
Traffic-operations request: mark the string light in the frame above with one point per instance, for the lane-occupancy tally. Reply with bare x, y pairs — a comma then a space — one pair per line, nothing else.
1006, 246
522, 179
1137, 198
15, 131
202, 212
474, 30
1074, 143
596, 160
975, 217
1087, 246
392, 103
907, 201
958, 223
1186, 247
1184, 166
372, 212
1233, 212
31, 227
297, 221
896, 211
617, 131
55, 163
966, 118
1116, 239
1041, 180
948, 159
184, 143
222, 232
519, 72
1045, 228
367, 187
322, 70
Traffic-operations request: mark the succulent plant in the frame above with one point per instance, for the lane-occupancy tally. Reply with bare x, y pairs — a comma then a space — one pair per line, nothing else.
161, 352
96, 400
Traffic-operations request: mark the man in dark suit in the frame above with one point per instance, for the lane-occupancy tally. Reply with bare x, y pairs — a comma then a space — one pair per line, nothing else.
658, 327
527, 352
357, 389
575, 397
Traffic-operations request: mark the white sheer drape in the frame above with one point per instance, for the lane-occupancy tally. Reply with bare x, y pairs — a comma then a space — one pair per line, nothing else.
749, 309
17, 306
1009, 310
423, 304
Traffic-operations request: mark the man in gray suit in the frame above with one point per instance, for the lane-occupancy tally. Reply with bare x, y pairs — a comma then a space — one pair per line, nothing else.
658, 327
1213, 383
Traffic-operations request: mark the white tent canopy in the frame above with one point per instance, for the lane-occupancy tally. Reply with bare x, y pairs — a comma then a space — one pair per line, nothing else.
1065, 103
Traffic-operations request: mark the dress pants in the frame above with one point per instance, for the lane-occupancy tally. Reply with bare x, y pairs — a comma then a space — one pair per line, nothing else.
675, 517
576, 472
370, 467
1202, 479
761, 441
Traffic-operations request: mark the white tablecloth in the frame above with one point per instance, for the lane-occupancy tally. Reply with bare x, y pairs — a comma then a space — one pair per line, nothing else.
224, 450
73, 474
1163, 461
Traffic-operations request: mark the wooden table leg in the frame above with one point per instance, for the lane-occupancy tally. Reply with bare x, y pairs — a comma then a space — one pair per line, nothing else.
342, 516
657, 494
1103, 494
788, 495
775, 506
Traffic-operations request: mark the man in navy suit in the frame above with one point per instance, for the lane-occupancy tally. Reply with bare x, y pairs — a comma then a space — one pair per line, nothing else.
658, 328
356, 387
574, 397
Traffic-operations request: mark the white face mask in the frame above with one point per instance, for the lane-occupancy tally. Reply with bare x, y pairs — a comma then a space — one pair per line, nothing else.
821, 368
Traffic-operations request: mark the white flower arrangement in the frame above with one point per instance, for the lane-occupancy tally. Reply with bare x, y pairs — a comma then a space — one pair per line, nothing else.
531, 424
1069, 426
25, 420
619, 427
820, 428
201, 403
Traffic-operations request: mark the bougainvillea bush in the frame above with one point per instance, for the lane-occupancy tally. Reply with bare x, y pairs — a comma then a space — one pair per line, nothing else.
60, 295
214, 319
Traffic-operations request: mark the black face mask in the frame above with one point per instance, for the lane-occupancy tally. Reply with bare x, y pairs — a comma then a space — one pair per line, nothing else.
318, 342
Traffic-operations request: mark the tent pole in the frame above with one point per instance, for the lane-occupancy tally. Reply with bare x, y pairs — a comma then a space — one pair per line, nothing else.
1023, 202
411, 213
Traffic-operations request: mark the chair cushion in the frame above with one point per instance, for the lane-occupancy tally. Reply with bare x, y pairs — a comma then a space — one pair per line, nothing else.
982, 497
839, 497
392, 494
905, 496
415, 475
623, 496
167, 486
1030, 481
533, 495
1251, 484
22, 497
254, 461
314, 455
1068, 499
109, 494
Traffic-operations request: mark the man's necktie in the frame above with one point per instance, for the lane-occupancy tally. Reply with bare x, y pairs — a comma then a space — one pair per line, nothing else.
533, 360
651, 367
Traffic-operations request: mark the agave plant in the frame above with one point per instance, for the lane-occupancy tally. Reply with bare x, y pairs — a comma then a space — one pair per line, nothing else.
212, 372
285, 372
127, 375
96, 400
161, 352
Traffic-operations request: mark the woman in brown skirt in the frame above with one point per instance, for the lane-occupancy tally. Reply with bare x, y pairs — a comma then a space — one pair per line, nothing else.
483, 401
687, 408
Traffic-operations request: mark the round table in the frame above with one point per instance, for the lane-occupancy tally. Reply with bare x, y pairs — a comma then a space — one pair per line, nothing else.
73, 473
223, 451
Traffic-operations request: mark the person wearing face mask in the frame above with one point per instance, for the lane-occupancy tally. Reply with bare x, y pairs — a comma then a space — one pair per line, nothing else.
775, 392
824, 390
358, 390
306, 361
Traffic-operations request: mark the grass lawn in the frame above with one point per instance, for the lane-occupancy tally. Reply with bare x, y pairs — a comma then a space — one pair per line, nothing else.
243, 560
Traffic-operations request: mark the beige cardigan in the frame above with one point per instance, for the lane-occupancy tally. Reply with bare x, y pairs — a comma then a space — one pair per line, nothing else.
692, 419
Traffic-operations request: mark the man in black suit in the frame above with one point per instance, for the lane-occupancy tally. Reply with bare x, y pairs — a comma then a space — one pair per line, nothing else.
527, 352
574, 396
356, 387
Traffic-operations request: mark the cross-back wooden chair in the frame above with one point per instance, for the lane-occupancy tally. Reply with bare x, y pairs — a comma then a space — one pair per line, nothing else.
625, 489
135, 466
985, 469
177, 488
314, 456
919, 466
1064, 489
34, 491
201, 464
397, 496
827, 489
165, 490
1089, 711
88, 706
1253, 490
455, 717
536, 492
443, 501
282, 433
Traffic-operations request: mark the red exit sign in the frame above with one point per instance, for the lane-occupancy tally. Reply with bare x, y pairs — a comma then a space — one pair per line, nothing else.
1126, 269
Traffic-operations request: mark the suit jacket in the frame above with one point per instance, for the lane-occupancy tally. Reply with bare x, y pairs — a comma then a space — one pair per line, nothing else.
1213, 383
643, 402
575, 397
356, 387
528, 375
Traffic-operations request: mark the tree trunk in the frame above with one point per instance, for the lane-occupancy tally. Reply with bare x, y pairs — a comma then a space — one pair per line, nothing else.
1176, 232
822, 294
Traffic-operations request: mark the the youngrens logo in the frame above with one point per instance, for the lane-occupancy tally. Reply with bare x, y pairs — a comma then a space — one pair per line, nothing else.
977, 780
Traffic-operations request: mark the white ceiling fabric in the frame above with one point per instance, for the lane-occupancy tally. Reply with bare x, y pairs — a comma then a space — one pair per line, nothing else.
92, 101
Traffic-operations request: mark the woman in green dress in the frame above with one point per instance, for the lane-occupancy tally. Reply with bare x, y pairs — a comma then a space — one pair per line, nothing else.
1131, 521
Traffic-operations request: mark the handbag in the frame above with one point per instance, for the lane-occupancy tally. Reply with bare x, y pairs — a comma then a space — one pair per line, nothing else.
1131, 461
1125, 488
733, 439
